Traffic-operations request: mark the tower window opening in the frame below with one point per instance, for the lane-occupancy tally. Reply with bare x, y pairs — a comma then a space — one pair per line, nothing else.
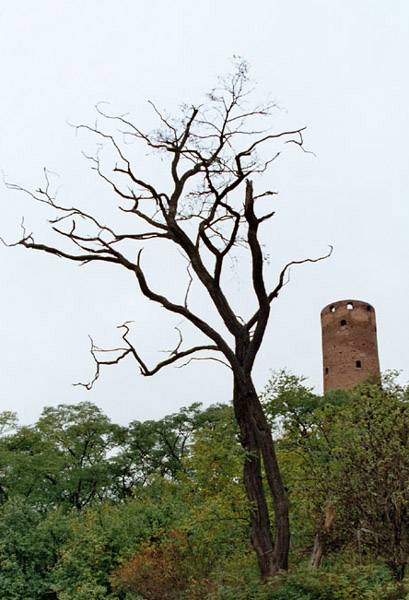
358, 364
369, 307
343, 322
350, 306
326, 370
332, 308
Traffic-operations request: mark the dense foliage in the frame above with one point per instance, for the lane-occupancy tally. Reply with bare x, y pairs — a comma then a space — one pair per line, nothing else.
157, 510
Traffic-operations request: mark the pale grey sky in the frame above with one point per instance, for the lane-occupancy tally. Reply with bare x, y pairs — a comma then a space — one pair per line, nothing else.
340, 68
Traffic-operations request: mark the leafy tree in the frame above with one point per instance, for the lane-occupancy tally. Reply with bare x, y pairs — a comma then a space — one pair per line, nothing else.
211, 154
219, 523
8, 422
30, 543
156, 447
25, 462
373, 462
348, 452
212, 536
105, 535
294, 411
62, 459
81, 435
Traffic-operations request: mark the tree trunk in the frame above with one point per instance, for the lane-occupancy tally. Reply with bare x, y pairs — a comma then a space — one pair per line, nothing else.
318, 550
321, 538
256, 439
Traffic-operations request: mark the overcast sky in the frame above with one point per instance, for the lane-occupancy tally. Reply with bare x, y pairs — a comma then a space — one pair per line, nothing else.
339, 68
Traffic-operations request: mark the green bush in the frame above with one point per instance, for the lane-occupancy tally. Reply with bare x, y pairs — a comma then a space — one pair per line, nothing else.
338, 582
103, 536
30, 543
343, 582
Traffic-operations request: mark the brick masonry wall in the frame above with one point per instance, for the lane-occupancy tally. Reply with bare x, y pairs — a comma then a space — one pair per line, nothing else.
349, 344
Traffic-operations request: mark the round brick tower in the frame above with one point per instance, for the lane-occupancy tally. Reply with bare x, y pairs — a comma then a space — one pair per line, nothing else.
349, 344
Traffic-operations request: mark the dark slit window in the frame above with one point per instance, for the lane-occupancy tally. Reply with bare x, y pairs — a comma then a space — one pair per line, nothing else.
358, 364
343, 322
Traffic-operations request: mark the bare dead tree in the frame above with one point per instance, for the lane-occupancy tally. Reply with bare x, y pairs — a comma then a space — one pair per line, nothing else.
212, 151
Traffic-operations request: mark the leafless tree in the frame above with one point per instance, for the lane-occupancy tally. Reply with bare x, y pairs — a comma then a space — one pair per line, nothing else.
213, 150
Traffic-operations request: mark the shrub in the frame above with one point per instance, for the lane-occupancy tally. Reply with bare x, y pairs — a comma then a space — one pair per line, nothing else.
340, 581
170, 568
343, 582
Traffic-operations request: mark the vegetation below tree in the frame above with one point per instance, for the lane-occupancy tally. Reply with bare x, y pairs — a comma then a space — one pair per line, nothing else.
157, 510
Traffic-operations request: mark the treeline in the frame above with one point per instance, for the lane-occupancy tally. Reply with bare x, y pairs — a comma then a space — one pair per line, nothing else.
91, 510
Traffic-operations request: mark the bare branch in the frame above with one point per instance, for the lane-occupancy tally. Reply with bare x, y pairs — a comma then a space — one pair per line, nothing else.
129, 350
222, 362
98, 363
281, 282
189, 285
300, 143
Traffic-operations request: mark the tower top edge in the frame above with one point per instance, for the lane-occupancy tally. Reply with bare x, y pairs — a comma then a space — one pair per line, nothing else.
346, 304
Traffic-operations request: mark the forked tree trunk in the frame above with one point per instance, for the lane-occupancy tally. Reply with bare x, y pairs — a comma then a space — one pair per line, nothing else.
256, 439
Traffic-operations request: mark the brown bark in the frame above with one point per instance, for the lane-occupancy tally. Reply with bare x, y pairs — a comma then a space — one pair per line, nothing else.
257, 440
